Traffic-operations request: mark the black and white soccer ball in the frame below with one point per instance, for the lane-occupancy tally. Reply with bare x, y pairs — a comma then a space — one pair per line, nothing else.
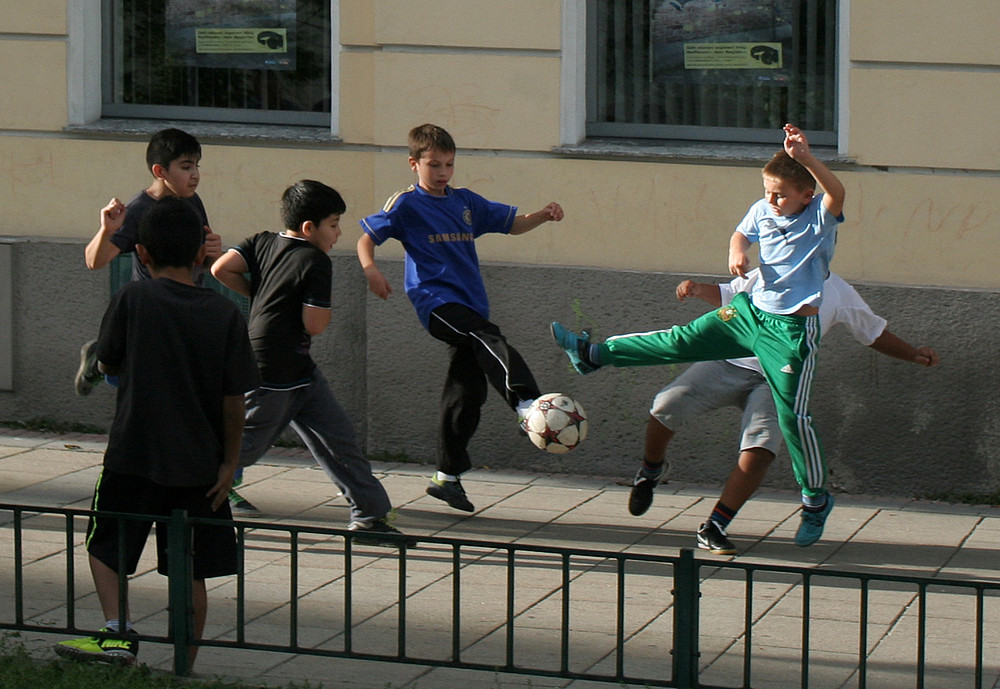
556, 423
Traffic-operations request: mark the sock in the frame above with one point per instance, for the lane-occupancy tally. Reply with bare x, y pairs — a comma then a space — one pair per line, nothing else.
814, 503
722, 515
238, 477
592, 355
440, 476
114, 626
652, 471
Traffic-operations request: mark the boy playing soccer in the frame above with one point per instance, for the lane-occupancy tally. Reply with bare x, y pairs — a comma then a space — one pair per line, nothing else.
172, 157
777, 322
438, 225
184, 362
708, 385
290, 282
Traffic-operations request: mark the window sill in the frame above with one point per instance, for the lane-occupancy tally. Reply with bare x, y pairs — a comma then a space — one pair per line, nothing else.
649, 150
209, 131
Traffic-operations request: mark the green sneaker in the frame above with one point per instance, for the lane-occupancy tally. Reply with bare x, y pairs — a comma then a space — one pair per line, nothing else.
811, 526
116, 651
241, 507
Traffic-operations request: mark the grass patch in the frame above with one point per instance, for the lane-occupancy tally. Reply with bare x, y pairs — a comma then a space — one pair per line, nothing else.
992, 499
45, 425
19, 670
400, 457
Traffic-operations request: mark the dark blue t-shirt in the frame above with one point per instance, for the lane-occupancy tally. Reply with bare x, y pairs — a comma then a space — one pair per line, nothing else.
127, 235
438, 234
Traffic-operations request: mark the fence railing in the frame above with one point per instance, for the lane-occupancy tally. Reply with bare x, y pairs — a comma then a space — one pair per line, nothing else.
523, 609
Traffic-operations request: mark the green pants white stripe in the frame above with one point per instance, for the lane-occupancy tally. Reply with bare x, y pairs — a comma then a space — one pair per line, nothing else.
786, 347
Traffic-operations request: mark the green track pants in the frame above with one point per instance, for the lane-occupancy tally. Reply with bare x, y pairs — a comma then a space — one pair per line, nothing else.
786, 347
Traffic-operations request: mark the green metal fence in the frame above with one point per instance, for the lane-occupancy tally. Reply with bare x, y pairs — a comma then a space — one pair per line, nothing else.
331, 600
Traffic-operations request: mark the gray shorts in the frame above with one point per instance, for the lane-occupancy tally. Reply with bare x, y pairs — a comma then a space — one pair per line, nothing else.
709, 385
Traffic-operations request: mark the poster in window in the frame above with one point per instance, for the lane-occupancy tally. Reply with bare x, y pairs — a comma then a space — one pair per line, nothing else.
231, 34
721, 41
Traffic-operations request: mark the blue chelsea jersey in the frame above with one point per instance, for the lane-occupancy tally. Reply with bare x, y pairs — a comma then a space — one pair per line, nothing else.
795, 254
438, 234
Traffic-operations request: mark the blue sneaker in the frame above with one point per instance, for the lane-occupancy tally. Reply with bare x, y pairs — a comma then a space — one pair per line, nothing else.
811, 528
574, 345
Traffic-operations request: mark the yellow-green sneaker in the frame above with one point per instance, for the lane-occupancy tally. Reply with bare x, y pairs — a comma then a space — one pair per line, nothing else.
241, 507
117, 651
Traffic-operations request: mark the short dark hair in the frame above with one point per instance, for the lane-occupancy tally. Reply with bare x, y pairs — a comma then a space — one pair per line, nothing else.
782, 166
172, 232
428, 136
309, 200
167, 145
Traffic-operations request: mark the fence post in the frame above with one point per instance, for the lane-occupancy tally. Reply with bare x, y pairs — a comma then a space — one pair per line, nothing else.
685, 652
179, 572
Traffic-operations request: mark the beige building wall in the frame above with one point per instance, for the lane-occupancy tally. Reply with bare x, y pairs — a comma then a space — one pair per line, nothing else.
920, 114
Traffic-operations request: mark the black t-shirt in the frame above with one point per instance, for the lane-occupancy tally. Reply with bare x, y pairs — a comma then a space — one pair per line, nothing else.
127, 235
180, 350
285, 274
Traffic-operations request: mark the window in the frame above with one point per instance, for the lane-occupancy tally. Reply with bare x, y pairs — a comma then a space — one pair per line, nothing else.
256, 61
716, 70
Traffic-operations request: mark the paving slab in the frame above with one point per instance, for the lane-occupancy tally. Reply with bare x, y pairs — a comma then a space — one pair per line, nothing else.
865, 534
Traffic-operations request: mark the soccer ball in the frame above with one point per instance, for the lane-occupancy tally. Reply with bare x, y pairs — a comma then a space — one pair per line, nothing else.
556, 423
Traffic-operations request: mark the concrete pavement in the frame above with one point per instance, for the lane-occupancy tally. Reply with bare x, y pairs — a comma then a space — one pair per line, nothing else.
864, 534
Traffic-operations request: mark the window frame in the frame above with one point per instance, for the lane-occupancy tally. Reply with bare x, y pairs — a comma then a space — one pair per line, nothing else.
587, 26
90, 72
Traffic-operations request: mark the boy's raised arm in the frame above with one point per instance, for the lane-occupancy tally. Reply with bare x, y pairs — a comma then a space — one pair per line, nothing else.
376, 281
797, 146
229, 269
708, 293
100, 251
526, 223
892, 345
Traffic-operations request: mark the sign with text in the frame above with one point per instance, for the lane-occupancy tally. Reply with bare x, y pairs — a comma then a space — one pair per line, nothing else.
231, 34
732, 56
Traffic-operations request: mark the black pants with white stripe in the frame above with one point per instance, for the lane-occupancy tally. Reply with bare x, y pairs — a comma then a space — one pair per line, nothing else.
479, 354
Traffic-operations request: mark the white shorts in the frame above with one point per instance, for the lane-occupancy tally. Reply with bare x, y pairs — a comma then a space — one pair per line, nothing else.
709, 385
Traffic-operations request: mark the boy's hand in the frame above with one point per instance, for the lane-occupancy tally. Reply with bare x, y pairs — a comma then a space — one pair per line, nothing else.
112, 216
213, 245
701, 290
377, 282
926, 357
796, 144
223, 484
553, 212
739, 263
687, 288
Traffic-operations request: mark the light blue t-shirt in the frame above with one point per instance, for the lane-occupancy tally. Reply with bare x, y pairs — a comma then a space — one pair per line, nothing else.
438, 234
795, 254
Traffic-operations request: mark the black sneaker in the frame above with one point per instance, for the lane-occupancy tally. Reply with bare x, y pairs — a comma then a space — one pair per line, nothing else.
451, 492
87, 374
372, 533
117, 651
712, 537
641, 496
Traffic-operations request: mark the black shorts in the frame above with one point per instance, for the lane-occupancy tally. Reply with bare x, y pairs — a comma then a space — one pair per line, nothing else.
213, 548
